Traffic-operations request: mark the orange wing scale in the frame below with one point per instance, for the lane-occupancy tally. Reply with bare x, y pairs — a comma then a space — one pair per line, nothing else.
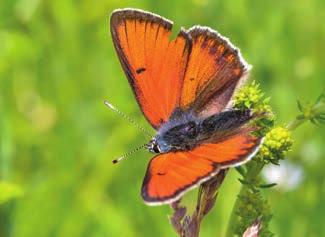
154, 64
229, 151
170, 175
214, 69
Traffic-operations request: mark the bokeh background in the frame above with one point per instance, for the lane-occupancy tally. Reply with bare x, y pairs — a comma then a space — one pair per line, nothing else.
57, 139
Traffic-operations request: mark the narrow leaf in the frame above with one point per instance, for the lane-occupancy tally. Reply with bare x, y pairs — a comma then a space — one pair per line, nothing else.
300, 117
244, 182
320, 97
299, 106
241, 170
313, 121
274, 162
268, 185
322, 121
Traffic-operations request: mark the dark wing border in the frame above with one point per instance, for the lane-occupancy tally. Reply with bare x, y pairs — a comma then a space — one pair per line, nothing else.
229, 88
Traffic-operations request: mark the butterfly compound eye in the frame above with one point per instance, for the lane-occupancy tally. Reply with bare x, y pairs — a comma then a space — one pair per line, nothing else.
153, 146
156, 149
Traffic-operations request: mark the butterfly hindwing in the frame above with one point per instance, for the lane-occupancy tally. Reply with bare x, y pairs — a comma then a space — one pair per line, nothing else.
214, 70
170, 175
233, 151
154, 64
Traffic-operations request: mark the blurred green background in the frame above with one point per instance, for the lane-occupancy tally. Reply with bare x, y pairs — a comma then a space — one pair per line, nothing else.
57, 139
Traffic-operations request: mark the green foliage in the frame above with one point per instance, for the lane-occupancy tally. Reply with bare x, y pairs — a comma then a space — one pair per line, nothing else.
252, 205
277, 141
57, 139
315, 112
9, 191
252, 97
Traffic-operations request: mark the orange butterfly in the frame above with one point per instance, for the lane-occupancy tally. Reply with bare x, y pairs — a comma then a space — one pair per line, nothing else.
184, 88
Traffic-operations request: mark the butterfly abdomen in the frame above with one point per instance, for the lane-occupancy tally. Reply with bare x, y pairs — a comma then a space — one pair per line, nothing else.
227, 120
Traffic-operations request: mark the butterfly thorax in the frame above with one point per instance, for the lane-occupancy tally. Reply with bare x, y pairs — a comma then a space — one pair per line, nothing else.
185, 132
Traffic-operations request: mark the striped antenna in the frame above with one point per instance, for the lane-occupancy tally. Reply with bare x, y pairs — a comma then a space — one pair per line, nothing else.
127, 118
129, 153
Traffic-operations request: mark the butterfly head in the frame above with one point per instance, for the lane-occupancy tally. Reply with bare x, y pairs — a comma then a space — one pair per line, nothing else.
157, 145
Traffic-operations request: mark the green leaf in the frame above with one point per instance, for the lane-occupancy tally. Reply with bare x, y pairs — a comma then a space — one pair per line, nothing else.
268, 185
247, 104
320, 117
299, 106
300, 117
320, 97
244, 182
274, 162
322, 121
241, 170
313, 121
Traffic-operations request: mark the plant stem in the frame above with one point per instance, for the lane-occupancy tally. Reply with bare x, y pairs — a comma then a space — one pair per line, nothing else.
295, 123
253, 169
189, 225
317, 108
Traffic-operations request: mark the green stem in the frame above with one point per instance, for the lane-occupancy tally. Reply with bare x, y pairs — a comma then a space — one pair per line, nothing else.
318, 108
295, 123
253, 169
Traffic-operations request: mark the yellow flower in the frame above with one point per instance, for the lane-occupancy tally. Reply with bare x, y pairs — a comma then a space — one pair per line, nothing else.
277, 142
248, 97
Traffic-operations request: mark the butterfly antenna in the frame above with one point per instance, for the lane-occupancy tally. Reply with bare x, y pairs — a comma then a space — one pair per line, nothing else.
129, 153
130, 120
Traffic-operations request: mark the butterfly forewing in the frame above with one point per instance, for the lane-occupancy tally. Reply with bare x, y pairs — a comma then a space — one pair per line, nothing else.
154, 64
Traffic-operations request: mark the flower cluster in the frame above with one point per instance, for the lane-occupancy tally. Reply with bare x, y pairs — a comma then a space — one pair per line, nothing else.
251, 97
277, 143
252, 205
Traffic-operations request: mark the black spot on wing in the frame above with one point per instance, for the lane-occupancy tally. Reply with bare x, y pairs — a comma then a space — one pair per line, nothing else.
140, 70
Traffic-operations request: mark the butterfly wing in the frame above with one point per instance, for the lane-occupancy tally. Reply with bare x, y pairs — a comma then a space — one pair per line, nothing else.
214, 70
153, 63
170, 175
198, 71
